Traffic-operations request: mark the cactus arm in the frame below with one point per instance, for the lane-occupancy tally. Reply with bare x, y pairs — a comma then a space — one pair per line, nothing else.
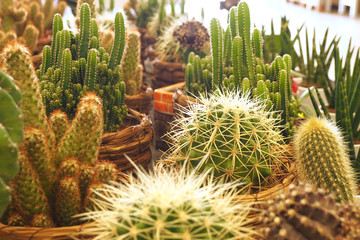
85, 28
283, 86
198, 71
216, 52
237, 60
46, 59
57, 27
91, 73
119, 41
189, 78
257, 44
227, 47
245, 86
233, 22
66, 70
288, 62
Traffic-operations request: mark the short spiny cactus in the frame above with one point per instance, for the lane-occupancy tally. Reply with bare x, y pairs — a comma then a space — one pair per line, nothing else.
75, 64
168, 205
232, 134
302, 213
41, 189
322, 158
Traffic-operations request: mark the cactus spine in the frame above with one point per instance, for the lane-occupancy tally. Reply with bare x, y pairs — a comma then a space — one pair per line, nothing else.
322, 158
39, 190
233, 135
76, 64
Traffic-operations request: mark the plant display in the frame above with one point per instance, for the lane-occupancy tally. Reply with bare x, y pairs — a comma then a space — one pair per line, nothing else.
235, 136
237, 63
322, 158
11, 134
54, 177
169, 205
75, 64
302, 213
29, 19
132, 70
178, 40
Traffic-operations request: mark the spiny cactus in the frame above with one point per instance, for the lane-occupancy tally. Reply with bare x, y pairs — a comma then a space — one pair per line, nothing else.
322, 158
75, 64
302, 213
41, 193
232, 134
130, 65
11, 133
168, 205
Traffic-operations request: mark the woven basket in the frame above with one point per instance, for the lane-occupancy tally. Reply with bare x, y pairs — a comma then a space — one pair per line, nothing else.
167, 73
141, 102
133, 139
34, 233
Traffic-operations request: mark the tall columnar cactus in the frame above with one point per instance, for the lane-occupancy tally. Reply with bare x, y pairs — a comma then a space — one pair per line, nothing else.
130, 65
42, 186
302, 213
168, 205
322, 158
216, 52
76, 63
11, 133
234, 135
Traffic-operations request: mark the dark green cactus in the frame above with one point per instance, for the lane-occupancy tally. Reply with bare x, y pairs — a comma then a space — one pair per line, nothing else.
79, 64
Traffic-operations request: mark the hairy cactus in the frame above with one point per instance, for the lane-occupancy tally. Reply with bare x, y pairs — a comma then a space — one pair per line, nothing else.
43, 194
75, 64
233, 135
302, 213
322, 158
11, 133
168, 205
130, 65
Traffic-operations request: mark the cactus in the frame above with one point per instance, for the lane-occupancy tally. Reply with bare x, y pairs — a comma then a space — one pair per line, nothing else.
302, 213
216, 52
130, 65
170, 205
322, 158
41, 189
76, 63
232, 134
11, 133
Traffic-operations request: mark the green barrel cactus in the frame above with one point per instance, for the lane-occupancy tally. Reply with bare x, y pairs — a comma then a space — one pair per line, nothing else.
232, 134
322, 158
168, 205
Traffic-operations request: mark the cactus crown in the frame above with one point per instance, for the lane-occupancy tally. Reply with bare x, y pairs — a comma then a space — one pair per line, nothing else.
76, 63
55, 172
169, 205
322, 158
232, 134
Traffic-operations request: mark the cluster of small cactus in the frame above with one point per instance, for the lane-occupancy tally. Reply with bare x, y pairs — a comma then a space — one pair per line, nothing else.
55, 172
302, 213
132, 70
75, 64
169, 205
234, 135
29, 19
11, 134
322, 159
238, 63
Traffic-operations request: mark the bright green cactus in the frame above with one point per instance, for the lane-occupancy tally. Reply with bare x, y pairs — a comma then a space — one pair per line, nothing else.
76, 63
170, 205
216, 52
130, 65
323, 160
11, 133
232, 134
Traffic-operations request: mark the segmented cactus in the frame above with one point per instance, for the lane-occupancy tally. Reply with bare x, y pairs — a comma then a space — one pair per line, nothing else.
232, 134
130, 65
11, 133
41, 189
168, 205
302, 213
75, 64
323, 160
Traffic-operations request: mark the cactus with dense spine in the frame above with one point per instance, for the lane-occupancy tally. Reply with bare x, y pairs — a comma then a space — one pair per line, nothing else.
322, 158
76, 63
11, 133
130, 65
40, 190
302, 213
232, 134
168, 205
